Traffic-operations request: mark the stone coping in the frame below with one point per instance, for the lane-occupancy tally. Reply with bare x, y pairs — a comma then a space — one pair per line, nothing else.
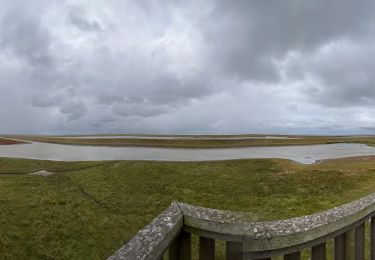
271, 235
255, 236
155, 238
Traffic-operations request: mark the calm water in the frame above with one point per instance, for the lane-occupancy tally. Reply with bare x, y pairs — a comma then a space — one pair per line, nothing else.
303, 154
177, 137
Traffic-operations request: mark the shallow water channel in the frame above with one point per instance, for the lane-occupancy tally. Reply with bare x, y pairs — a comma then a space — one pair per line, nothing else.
177, 137
304, 154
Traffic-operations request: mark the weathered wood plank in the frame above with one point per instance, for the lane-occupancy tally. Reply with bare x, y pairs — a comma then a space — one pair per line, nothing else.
173, 251
184, 246
359, 242
372, 238
206, 248
340, 247
318, 252
234, 250
293, 256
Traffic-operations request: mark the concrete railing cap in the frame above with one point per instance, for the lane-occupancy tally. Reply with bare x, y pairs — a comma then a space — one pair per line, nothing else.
270, 235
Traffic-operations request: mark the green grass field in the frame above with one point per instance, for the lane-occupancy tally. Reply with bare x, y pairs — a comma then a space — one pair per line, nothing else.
88, 210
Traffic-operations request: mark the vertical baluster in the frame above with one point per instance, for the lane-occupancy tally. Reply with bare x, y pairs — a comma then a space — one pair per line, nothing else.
206, 248
372, 238
319, 252
184, 246
293, 256
359, 242
350, 245
340, 247
234, 250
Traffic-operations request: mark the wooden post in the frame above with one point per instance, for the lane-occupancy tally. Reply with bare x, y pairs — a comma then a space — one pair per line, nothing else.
206, 248
359, 242
293, 256
319, 252
234, 250
340, 247
184, 246
350, 244
372, 238
173, 251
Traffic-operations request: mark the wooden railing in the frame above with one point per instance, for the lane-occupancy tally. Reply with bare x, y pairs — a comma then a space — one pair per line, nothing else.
169, 235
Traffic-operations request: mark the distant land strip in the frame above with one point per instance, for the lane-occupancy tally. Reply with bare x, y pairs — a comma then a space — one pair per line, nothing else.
6, 141
195, 142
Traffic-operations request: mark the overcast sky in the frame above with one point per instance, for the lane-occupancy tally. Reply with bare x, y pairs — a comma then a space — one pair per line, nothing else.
250, 66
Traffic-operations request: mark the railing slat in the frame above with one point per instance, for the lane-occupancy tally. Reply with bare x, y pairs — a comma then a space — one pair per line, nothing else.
184, 246
372, 235
350, 245
206, 248
234, 250
318, 252
340, 247
359, 242
293, 256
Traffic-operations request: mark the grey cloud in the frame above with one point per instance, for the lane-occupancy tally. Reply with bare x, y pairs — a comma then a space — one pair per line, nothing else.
368, 128
247, 36
171, 90
109, 99
78, 19
39, 101
23, 33
142, 110
342, 72
103, 120
57, 98
73, 109
188, 66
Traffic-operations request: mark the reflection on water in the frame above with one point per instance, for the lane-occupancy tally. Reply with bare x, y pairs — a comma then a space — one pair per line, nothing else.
303, 154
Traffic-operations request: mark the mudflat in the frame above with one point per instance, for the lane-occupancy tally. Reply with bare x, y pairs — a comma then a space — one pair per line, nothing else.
6, 141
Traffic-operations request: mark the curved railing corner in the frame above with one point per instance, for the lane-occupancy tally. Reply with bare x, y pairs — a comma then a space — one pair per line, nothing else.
169, 235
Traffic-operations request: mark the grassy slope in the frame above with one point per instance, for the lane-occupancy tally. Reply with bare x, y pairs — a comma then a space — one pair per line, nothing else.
201, 143
90, 210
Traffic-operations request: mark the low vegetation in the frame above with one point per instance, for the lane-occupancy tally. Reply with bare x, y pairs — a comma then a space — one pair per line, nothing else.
206, 142
87, 210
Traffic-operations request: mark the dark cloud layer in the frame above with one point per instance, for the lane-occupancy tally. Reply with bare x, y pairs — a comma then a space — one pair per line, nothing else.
187, 66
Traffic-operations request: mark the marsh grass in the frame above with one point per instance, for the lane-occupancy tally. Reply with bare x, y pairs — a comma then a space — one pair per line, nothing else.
87, 210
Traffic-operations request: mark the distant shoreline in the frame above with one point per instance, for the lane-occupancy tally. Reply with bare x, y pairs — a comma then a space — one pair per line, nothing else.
185, 141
